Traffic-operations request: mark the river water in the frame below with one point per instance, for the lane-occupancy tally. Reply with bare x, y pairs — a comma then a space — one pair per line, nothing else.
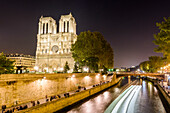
148, 100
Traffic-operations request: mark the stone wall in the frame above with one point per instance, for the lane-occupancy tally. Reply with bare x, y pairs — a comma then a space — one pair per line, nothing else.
26, 87
165, 95
64, 102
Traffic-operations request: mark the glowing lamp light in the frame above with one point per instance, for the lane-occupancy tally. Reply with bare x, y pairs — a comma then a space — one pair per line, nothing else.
73, 76
104, 76
97, 76
86, 77
86, 69
61, 69
36, 68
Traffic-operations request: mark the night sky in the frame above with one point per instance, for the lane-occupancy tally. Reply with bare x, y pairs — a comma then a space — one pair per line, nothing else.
127, 25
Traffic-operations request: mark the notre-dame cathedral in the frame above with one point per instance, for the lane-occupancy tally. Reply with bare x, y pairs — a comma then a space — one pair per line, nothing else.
53, 48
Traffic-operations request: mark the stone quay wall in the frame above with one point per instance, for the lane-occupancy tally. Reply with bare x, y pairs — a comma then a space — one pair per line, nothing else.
163, 92
166, 96
24, 88
64, 102
17, 77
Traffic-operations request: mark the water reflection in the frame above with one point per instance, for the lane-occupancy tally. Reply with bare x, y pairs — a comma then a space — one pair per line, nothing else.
129, 80
148, 100
106, 95
99, 103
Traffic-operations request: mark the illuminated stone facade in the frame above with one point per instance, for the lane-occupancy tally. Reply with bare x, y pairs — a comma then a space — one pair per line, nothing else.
23, 63
53, 48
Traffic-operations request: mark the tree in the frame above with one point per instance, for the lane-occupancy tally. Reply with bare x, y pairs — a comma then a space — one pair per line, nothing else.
6, 65
153, 65
162, 39
144, 66
66, 67
104, 69
92, 63
92, 50
75, 68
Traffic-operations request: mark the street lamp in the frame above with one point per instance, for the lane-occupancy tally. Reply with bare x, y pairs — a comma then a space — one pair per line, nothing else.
61, 69
85, 69
36, 68
73, 76
104, 76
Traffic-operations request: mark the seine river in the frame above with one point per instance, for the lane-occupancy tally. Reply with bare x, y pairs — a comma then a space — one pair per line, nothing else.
148, 100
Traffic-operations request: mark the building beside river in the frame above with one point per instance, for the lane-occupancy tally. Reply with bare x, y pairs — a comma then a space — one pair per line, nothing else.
23, 63
53, 48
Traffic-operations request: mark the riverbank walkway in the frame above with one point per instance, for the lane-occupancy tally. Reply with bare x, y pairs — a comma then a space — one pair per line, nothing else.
165, 86
19, 107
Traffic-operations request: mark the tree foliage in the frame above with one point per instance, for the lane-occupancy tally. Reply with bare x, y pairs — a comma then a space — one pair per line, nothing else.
91, 49
75, 68
144, 66
162, 39
153, 65
6, 65
66, 67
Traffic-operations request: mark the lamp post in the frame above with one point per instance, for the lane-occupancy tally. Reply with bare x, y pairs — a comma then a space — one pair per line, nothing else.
86, 69
36, 68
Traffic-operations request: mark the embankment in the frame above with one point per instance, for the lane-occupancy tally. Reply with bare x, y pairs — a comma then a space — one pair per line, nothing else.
162, 91
64, 102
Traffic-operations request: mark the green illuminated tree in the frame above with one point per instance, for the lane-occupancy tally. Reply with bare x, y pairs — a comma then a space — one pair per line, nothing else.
75, 68
162, 39
66, 67
104, 69
144, 66
6, 65
153, 65
91, 49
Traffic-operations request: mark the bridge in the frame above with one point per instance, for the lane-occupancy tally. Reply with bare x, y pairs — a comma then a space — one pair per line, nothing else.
124, 74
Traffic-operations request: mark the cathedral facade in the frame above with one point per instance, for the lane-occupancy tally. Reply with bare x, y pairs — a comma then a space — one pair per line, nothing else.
53, 48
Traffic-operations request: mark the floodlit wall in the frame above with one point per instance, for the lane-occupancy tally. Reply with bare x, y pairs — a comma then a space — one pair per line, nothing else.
31, 87
64, 102
166, 96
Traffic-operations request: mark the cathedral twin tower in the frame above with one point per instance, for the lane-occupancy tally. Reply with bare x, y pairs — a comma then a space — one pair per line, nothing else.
53, 48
